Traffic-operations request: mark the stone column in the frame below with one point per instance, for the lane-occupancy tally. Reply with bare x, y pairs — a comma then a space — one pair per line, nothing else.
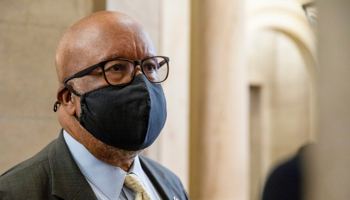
219, 114
331, 179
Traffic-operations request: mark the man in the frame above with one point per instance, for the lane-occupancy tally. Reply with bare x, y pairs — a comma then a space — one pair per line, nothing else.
111, 106
286, 181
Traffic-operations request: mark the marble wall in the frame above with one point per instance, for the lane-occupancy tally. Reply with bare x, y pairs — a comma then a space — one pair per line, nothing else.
29, 33
219, 101
282, 64
330, 161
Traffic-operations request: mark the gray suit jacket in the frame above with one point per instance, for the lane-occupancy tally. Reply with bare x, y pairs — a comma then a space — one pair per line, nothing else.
53, 174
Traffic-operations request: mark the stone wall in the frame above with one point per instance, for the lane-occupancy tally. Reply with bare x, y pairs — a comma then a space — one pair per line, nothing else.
29, 33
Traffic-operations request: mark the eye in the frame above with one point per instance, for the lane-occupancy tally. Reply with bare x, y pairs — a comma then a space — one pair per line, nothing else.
150, 67
96, 72
115, 68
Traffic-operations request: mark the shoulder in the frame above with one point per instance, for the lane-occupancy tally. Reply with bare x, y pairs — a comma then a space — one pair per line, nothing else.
284, 182
28, 177
163, 175
158, 167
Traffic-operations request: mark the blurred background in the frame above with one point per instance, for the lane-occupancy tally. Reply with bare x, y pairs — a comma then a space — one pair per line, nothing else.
246, 89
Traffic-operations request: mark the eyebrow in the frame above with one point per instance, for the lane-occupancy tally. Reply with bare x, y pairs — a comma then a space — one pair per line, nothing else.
115, 56
149, 55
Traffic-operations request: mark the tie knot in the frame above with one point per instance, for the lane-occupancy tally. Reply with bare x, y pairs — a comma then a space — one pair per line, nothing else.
133, 182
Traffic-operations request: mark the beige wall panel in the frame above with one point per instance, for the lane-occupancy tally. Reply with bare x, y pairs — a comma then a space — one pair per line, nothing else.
262, 61
28, 83
48, 13
219, 165
22, 138
175, 36
146, 12
27, 90
14, 11
290, 100
277, 68
331, 168
282, 63
256, 142
29, 33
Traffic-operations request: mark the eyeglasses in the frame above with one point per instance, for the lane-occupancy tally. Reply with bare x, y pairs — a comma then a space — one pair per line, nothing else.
118, 71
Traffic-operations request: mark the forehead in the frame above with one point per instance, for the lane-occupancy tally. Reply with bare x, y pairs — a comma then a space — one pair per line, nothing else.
117, 40
130, 44
97, 40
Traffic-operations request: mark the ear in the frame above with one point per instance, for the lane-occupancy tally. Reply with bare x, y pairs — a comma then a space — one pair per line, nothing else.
65, 97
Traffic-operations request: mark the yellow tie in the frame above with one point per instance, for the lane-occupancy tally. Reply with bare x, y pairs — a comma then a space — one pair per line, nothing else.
133, 182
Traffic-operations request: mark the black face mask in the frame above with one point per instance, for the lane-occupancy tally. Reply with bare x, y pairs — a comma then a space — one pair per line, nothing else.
128, 117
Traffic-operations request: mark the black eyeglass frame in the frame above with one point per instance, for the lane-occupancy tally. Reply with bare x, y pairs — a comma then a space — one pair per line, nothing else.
102, 64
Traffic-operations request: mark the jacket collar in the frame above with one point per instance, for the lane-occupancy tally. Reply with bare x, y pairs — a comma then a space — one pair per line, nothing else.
67, 180
158, 179
69, 183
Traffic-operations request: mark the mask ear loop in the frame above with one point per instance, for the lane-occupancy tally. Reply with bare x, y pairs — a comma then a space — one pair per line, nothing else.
78, 118
57, 103
55, 106
71, 98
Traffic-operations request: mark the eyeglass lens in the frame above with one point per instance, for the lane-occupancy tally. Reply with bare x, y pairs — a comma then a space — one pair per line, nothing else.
122, 71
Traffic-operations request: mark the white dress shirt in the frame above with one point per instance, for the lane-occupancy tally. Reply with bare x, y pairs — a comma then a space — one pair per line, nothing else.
107, 181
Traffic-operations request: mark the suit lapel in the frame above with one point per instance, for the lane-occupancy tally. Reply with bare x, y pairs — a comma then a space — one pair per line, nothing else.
69, 183
67, 180
158, 179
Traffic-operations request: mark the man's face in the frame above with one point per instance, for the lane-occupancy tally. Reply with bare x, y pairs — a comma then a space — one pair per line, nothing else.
102, 42
99, 37
135, 47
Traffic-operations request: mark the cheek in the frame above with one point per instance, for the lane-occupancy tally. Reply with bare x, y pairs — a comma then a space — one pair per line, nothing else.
89, 83
77, 105
84, 84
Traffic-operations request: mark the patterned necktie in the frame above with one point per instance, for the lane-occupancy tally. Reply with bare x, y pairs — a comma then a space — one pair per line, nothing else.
133, 182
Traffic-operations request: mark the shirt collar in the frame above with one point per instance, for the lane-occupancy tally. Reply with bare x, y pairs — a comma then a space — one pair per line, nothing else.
107, 178
137, 169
